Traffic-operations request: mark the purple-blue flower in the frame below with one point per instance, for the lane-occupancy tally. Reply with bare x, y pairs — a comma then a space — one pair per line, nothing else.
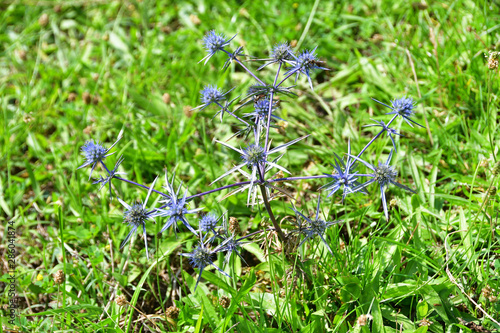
304, 63
201, 257
282, 53
208, 222
313, 227
255, 158
175, 210
213, 43
95, 153
261, 110
136, 216
384, 174
345, 177
402, 107
211, 95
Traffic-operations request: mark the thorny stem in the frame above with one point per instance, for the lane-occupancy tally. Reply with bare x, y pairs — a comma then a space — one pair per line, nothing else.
286, 77
254, 233
271, 96
216, 190
230, 55
376, 136
140, 185
295, 178
277, 227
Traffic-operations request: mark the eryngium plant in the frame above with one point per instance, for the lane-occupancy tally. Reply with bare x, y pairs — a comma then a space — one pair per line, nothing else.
259, 160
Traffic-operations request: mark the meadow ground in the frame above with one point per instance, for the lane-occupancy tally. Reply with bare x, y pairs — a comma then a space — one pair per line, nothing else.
71, 71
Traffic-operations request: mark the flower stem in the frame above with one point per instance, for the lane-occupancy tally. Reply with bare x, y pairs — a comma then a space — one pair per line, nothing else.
281, 235
216, 190
376, 136
269, 112
140, 185
244, 67
232, 114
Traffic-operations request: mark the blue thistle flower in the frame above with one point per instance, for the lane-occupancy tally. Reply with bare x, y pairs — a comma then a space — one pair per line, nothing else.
344, 177
261, 110
213, 43
208, 222
176, 208
136, 216
384, 174
201, 257
95, 153
314, 227
255, 158
211, 95
390, 131
107, 180
281, 53
229, 244
402, 107
304, 63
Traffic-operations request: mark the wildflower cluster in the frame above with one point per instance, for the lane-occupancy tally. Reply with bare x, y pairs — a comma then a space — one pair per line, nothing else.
259, 161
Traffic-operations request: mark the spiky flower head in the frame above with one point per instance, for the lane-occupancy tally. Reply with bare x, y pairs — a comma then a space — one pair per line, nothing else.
307, 60
208, 222
213, 43
261, 111
385, 174
211, 94
282, 52
255, 158
344, 175
136, 216
262, 107
175, 208
403, 107
94, 152
304, 63
201, 257
313, 227
254, 155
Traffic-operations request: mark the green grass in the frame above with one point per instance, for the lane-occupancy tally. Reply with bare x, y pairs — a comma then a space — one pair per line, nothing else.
125, 56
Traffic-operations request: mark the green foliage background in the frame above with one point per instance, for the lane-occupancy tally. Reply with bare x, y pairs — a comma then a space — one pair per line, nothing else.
75, 70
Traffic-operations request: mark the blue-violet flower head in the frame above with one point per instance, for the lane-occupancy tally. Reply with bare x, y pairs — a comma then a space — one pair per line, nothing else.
208, 222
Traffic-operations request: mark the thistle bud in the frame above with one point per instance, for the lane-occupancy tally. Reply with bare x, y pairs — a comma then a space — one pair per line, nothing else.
225, 301
172, 312
59, 277
496, 169
234, 226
